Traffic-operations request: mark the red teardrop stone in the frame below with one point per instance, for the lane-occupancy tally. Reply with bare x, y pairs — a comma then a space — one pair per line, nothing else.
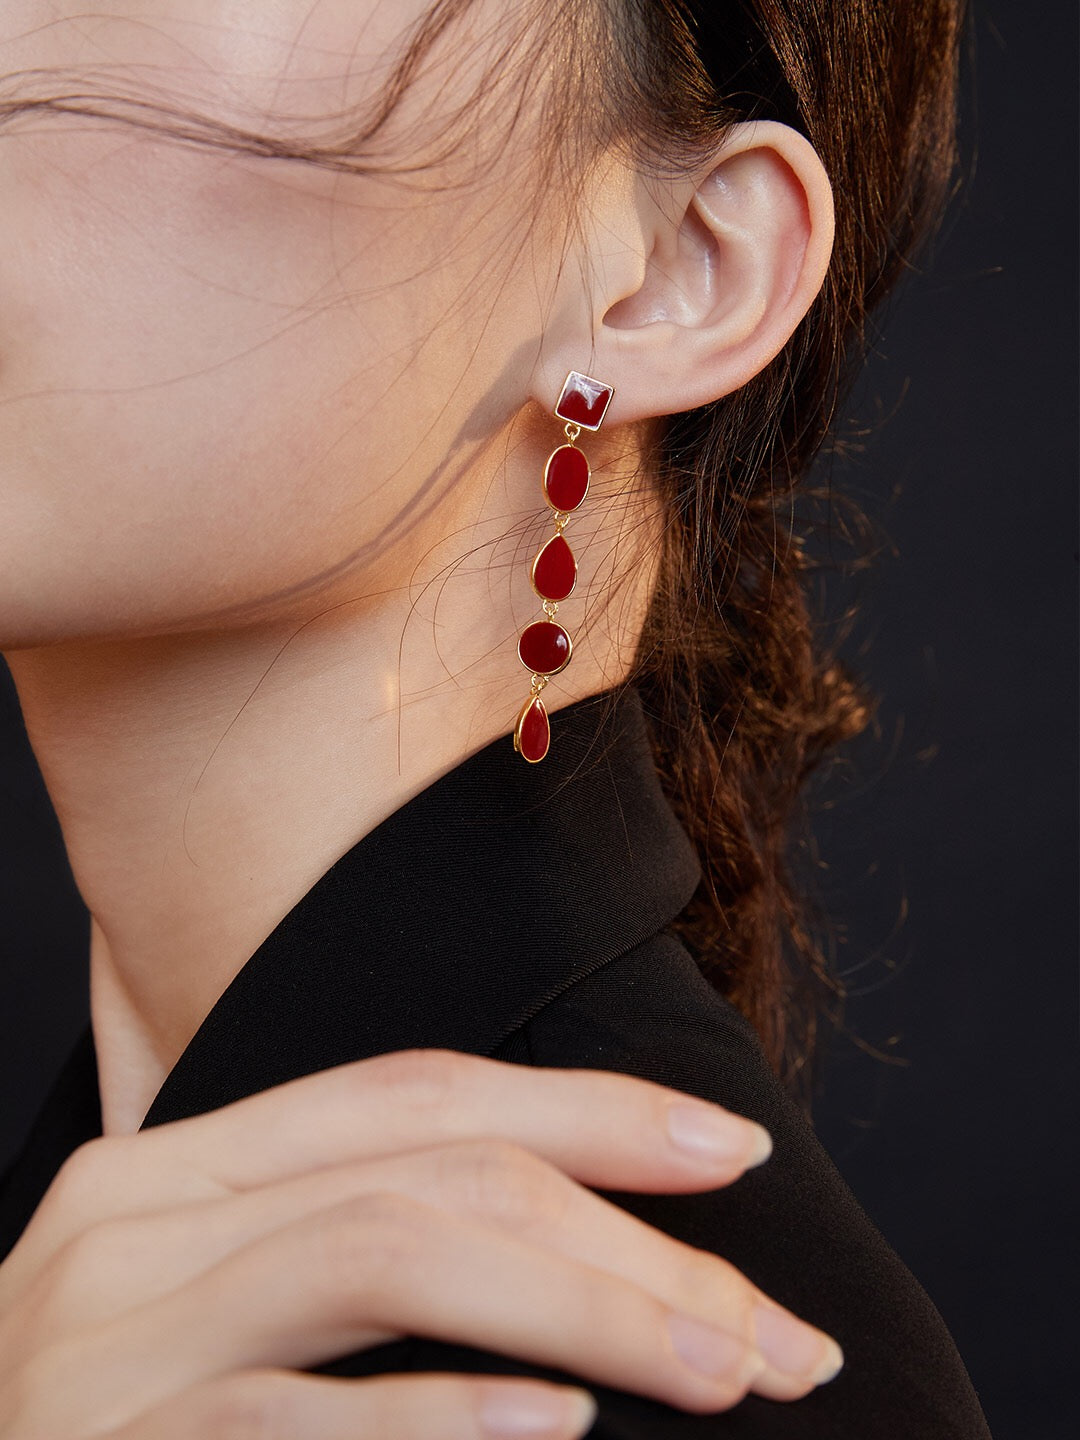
532, 734
566, 478
544, 648
554, 571
583, 401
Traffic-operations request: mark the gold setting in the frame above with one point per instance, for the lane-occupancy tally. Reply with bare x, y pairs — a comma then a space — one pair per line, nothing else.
534, 699
587, 381
536, 561
547, 471
551, 607
550, 610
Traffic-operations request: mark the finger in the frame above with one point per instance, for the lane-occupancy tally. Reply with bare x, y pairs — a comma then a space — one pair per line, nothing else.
383, 1267
108, 1178
606, 1129
127, 1263
279, 1405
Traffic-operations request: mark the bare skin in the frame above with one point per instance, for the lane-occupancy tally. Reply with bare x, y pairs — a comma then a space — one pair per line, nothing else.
269, 446
171, 1280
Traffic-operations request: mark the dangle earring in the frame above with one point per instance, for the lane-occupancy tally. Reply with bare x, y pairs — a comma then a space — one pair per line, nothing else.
544, 646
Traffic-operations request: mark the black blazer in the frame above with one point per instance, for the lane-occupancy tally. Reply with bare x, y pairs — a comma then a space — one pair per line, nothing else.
520, 911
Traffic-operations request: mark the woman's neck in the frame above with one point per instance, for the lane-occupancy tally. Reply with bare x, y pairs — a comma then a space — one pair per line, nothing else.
204, 782
203, 785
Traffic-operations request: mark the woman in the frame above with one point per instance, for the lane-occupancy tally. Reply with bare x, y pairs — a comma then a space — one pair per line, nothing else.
295, 297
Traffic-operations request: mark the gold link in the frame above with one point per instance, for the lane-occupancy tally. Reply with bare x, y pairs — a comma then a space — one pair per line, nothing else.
572, 431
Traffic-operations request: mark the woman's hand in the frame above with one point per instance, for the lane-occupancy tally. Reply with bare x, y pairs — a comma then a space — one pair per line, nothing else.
172, 1282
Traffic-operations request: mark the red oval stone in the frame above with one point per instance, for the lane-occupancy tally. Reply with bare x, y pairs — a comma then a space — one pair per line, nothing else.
544, 647
554, 571
566, 478
532, 734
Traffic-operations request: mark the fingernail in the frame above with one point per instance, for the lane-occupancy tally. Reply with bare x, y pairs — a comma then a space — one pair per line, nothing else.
795, 1348
710, 1351
510, 1412
709, 1135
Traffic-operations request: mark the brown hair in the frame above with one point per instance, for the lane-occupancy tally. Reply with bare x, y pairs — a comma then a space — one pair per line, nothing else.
745, 701
743, 698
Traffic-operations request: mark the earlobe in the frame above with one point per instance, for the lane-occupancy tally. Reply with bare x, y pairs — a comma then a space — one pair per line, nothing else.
736, 256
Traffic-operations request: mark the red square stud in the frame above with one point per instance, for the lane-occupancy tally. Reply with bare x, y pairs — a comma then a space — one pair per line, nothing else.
584, 401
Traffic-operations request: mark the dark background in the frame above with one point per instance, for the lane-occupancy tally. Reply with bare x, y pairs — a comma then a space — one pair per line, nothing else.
951, 837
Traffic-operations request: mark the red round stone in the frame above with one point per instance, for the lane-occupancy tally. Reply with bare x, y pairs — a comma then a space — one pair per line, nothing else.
566, 478
544, 647
554, 571
532, 735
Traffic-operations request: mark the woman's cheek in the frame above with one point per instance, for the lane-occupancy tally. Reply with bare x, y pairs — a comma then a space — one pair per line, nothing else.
187, 397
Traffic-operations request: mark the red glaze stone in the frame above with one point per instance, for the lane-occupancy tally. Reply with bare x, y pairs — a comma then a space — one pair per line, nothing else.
566, 478
583, 401
554, 571
532, 734
544, 648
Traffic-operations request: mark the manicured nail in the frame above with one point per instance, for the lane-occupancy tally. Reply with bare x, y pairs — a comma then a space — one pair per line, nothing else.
517, 1412
712, 1352
710, 1135
796, 1348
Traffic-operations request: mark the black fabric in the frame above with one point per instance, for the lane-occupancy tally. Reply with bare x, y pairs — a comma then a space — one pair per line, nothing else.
522, 912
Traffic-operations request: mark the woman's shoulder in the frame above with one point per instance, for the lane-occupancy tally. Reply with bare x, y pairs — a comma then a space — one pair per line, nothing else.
792, 1225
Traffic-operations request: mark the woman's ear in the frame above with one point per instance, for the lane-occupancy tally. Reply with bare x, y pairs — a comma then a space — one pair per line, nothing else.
694, 284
